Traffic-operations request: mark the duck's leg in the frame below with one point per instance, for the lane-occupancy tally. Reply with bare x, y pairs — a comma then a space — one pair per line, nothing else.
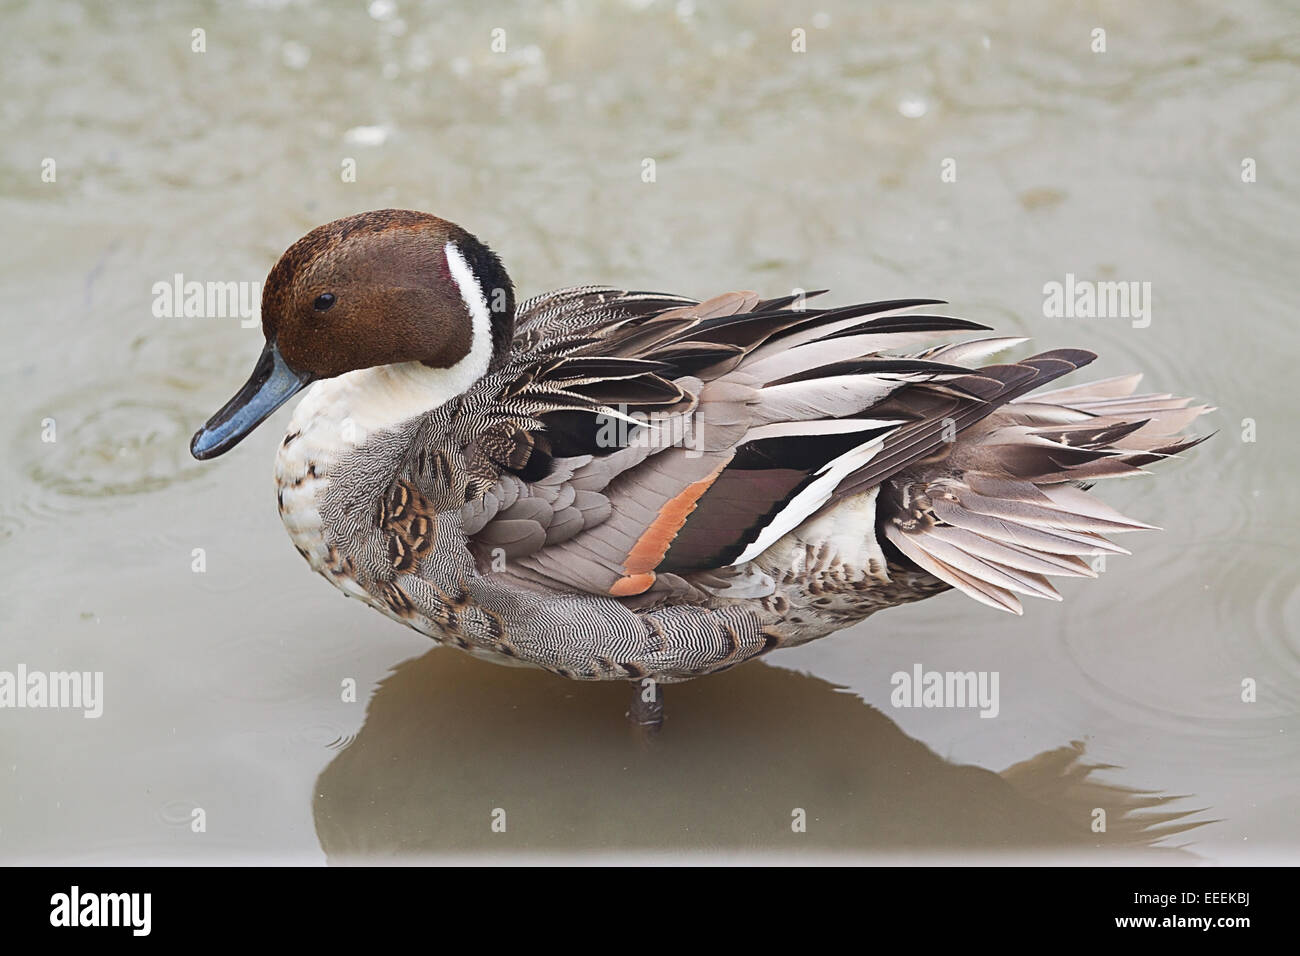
647, 708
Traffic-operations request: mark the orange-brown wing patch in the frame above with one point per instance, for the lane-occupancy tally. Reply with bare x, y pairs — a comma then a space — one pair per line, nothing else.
653, 544
631, 584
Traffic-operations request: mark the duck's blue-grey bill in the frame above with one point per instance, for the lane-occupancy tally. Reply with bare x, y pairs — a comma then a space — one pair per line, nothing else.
271, 385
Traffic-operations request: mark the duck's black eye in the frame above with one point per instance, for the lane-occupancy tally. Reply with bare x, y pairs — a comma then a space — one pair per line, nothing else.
323, 302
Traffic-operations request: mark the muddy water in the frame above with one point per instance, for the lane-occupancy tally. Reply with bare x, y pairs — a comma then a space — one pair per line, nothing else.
226, 665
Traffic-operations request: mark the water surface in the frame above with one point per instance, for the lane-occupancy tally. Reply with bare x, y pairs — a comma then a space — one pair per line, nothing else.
224, 690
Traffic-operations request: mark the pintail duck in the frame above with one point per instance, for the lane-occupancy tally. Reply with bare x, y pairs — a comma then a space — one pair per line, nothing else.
616, 485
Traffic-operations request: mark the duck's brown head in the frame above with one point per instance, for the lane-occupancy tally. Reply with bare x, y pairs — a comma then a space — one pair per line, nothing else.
374, 289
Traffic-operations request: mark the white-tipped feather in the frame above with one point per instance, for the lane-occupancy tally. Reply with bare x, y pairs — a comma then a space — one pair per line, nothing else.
812, 497
821, 330
768, 366
830, 397
969, 353
830, 426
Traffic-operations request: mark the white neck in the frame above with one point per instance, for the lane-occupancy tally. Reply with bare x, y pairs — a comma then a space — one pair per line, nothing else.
346, 409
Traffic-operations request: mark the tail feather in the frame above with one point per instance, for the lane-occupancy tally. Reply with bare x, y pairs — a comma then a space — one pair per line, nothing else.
1003, 509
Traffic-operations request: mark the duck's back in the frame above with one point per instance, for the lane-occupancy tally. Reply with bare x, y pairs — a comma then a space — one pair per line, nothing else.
650, 486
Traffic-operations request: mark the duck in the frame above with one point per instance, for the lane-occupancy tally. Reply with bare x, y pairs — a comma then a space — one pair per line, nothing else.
611, 484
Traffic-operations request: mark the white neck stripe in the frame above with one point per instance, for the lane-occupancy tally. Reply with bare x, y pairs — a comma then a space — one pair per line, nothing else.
472, 294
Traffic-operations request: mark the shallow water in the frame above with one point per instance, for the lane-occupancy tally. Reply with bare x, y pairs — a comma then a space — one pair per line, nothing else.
773, 169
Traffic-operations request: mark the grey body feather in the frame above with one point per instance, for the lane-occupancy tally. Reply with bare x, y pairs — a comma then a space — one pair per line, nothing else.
499, 524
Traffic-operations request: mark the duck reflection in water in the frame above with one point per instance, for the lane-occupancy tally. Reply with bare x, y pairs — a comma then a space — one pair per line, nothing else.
450, 747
